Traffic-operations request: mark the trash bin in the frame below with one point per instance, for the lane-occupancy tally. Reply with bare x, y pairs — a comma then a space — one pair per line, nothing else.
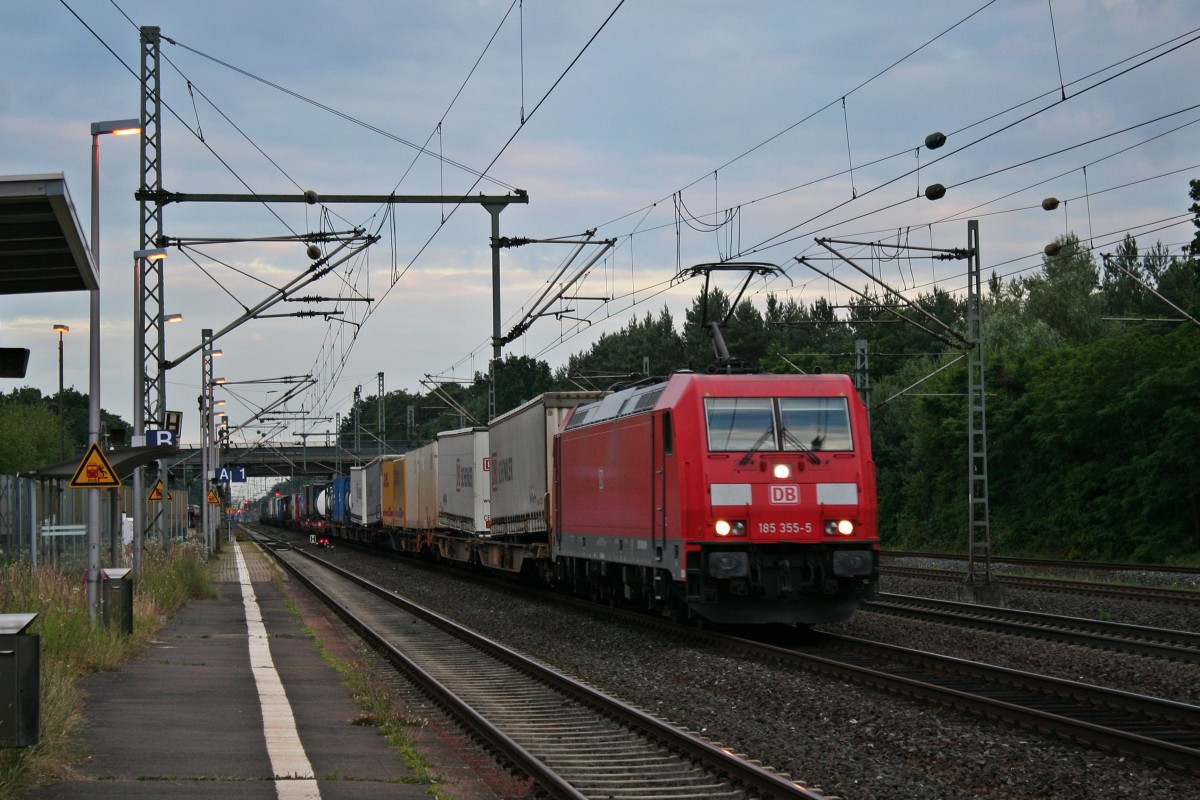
116, 593
20, 681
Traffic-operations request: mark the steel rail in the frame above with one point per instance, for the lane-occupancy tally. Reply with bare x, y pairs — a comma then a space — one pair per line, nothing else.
1048, 564
1139, 640
1070, 710
1153, 593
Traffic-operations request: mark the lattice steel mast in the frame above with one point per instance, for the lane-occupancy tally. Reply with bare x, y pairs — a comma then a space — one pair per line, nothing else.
148, 287
980, 584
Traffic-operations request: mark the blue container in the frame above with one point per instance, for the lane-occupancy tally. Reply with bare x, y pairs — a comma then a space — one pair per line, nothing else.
340, 491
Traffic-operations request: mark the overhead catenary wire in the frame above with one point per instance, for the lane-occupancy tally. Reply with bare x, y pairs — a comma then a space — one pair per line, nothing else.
718, 223
752, 250
200, 137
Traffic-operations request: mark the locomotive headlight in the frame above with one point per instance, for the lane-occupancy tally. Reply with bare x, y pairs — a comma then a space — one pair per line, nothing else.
724, 527
782, 471
835, 526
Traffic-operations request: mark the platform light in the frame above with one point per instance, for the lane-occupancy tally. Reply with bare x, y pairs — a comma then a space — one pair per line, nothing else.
117, 127
152, 254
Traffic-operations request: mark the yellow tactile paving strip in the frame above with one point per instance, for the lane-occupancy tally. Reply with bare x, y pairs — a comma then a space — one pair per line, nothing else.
256, 563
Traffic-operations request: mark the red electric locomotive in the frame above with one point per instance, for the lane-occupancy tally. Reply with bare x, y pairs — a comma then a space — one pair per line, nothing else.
731, 498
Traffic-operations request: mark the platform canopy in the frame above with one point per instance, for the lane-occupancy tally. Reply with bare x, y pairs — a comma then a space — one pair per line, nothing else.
42, 247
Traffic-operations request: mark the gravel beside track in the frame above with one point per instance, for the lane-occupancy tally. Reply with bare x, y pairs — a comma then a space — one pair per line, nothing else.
841, 739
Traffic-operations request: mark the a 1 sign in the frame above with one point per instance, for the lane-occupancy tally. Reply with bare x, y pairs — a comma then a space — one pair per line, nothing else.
226, 475
160, 438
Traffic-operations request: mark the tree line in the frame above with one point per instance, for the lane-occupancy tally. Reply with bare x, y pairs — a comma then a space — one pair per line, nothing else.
1092, 393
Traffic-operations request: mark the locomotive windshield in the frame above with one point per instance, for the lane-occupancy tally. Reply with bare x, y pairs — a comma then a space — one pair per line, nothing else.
780, 423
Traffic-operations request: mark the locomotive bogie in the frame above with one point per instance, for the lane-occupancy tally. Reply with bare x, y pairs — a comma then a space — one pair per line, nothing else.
779, 583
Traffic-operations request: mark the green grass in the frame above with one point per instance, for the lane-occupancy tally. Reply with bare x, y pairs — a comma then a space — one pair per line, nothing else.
377, 709
72, 648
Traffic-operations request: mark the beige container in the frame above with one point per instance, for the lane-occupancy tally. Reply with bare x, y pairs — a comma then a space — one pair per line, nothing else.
391, 475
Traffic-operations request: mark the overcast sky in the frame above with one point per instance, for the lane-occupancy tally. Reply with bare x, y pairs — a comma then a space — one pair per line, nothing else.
689, 131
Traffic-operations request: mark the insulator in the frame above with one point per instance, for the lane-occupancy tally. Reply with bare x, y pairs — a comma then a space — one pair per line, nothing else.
314, 252
1053, 249
935, 191
1050, 203
311, 197
935, 140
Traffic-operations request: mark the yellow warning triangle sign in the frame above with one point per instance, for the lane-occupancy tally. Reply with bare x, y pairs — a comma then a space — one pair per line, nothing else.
156, 492
213, 500
94, 471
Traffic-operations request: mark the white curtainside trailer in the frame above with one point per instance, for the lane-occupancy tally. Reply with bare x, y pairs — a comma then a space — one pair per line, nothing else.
464, 504
522, 464
366, 497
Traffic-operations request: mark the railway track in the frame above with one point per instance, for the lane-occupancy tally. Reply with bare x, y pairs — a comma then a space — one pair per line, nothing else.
1159, 731
573, 741
1183, 646
1051, 565
1157, 594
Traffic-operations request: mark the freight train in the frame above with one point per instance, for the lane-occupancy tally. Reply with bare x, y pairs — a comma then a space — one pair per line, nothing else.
726, 498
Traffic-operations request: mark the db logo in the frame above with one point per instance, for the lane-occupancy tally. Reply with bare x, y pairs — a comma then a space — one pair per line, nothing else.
784, 494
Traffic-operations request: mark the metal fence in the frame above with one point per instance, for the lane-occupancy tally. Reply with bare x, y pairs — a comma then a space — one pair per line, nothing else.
45, 522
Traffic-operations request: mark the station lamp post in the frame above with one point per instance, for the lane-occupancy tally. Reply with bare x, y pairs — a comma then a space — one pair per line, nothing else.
168, 523
207, 465
116, 127
60, 329
214, 462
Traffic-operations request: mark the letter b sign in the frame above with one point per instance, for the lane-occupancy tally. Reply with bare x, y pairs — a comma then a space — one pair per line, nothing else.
160, 438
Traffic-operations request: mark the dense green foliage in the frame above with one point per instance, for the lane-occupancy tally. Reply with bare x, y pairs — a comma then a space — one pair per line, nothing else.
30, 433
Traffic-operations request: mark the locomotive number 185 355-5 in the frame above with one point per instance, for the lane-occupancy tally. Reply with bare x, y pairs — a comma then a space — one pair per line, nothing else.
785, 527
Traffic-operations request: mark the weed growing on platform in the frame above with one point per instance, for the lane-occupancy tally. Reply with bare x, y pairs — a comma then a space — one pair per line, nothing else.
377, 711
71, 647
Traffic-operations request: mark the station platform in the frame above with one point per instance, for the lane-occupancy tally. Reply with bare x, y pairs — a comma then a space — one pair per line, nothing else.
234, 700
